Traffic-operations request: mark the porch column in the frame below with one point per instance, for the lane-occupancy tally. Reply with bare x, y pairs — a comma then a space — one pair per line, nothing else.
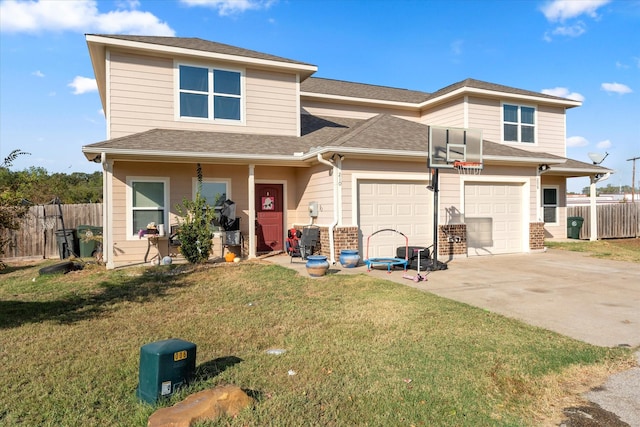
593, 211
107, 213
252, 211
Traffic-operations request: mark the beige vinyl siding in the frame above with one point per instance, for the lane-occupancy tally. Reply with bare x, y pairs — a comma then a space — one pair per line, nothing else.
335, 109
271, 104
485, 114
450, 114
141, 93
551, 130
315, 185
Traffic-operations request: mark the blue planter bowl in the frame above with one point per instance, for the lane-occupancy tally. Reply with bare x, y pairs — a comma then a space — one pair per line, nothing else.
349, 258
317, 265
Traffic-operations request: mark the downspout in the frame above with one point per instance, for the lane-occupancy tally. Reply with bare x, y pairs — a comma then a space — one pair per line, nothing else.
332, 226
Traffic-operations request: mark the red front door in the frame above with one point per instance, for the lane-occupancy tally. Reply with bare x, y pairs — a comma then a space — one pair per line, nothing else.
269, 225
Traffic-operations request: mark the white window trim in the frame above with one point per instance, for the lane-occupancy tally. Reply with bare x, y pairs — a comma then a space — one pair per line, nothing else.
129, 197
519, 123
211, 94
556, 206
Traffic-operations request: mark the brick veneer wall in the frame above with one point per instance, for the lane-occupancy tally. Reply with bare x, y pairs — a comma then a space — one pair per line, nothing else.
445, 247
344, 238
536, 236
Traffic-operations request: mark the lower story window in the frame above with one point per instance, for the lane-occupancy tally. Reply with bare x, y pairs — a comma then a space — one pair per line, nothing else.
148, 203
550, 205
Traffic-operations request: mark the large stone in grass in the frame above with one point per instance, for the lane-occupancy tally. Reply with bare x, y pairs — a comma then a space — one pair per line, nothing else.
205, 405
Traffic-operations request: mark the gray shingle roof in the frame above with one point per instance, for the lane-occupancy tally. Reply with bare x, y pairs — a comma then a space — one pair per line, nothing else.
385, 93
381, 132
361, 90
479, 84
195, 43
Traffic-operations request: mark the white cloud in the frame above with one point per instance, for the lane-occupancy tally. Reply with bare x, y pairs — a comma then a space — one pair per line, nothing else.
38, 73
577, 141
618, 88
80, 16
561, 10
575, 30
565, 10
82, 85
604, 144
563, 92
230, 7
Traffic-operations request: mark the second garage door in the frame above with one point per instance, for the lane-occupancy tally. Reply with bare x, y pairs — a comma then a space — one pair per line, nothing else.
493, 214
400, 205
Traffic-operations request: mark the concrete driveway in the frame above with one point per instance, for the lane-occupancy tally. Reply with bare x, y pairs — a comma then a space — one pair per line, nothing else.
592, 300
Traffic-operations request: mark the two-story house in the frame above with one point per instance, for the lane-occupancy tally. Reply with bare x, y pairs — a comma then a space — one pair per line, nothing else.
290, 149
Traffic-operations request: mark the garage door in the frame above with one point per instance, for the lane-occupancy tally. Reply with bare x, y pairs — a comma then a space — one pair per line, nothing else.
493, 214
400, 205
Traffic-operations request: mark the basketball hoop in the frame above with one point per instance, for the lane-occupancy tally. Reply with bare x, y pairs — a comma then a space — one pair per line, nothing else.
467, 168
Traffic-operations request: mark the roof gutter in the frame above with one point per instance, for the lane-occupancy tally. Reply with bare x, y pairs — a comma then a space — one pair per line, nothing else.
336, 183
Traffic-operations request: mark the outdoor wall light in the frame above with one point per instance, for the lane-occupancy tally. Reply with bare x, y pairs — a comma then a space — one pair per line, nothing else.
543, 168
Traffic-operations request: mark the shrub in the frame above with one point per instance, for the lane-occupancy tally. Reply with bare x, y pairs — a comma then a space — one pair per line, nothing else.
194, 229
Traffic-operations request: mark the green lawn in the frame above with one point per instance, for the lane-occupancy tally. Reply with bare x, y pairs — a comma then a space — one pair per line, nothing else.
614, 249
364, 351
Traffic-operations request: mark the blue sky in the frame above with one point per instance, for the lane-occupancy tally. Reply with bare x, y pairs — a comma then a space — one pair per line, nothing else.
581, 49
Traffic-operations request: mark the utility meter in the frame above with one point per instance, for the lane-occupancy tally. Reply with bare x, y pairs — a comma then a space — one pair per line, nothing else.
165, 366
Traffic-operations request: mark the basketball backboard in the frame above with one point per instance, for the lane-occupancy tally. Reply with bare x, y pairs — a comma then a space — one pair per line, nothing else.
448, 144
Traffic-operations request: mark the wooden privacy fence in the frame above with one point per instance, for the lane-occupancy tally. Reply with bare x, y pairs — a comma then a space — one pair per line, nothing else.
37, 234
615, 220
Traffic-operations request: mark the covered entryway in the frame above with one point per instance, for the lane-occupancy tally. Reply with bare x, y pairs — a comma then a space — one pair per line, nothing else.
400, 205
493, 215
269, 218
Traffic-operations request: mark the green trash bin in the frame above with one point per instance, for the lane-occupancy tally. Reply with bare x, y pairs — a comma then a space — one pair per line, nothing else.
574, 224
86, 241
67, 243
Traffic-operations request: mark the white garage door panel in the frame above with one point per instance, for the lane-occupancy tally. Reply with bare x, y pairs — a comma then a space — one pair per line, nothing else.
399, 205
493, 213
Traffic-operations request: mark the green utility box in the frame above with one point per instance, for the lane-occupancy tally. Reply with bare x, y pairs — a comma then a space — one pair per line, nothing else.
86, 239
574, 224
165, 366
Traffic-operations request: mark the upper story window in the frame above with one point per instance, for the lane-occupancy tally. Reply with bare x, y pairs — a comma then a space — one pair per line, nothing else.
210, 93
518, 123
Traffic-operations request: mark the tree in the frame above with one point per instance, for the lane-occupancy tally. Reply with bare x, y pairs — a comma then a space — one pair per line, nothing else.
609, 189
194, 229
12, 208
